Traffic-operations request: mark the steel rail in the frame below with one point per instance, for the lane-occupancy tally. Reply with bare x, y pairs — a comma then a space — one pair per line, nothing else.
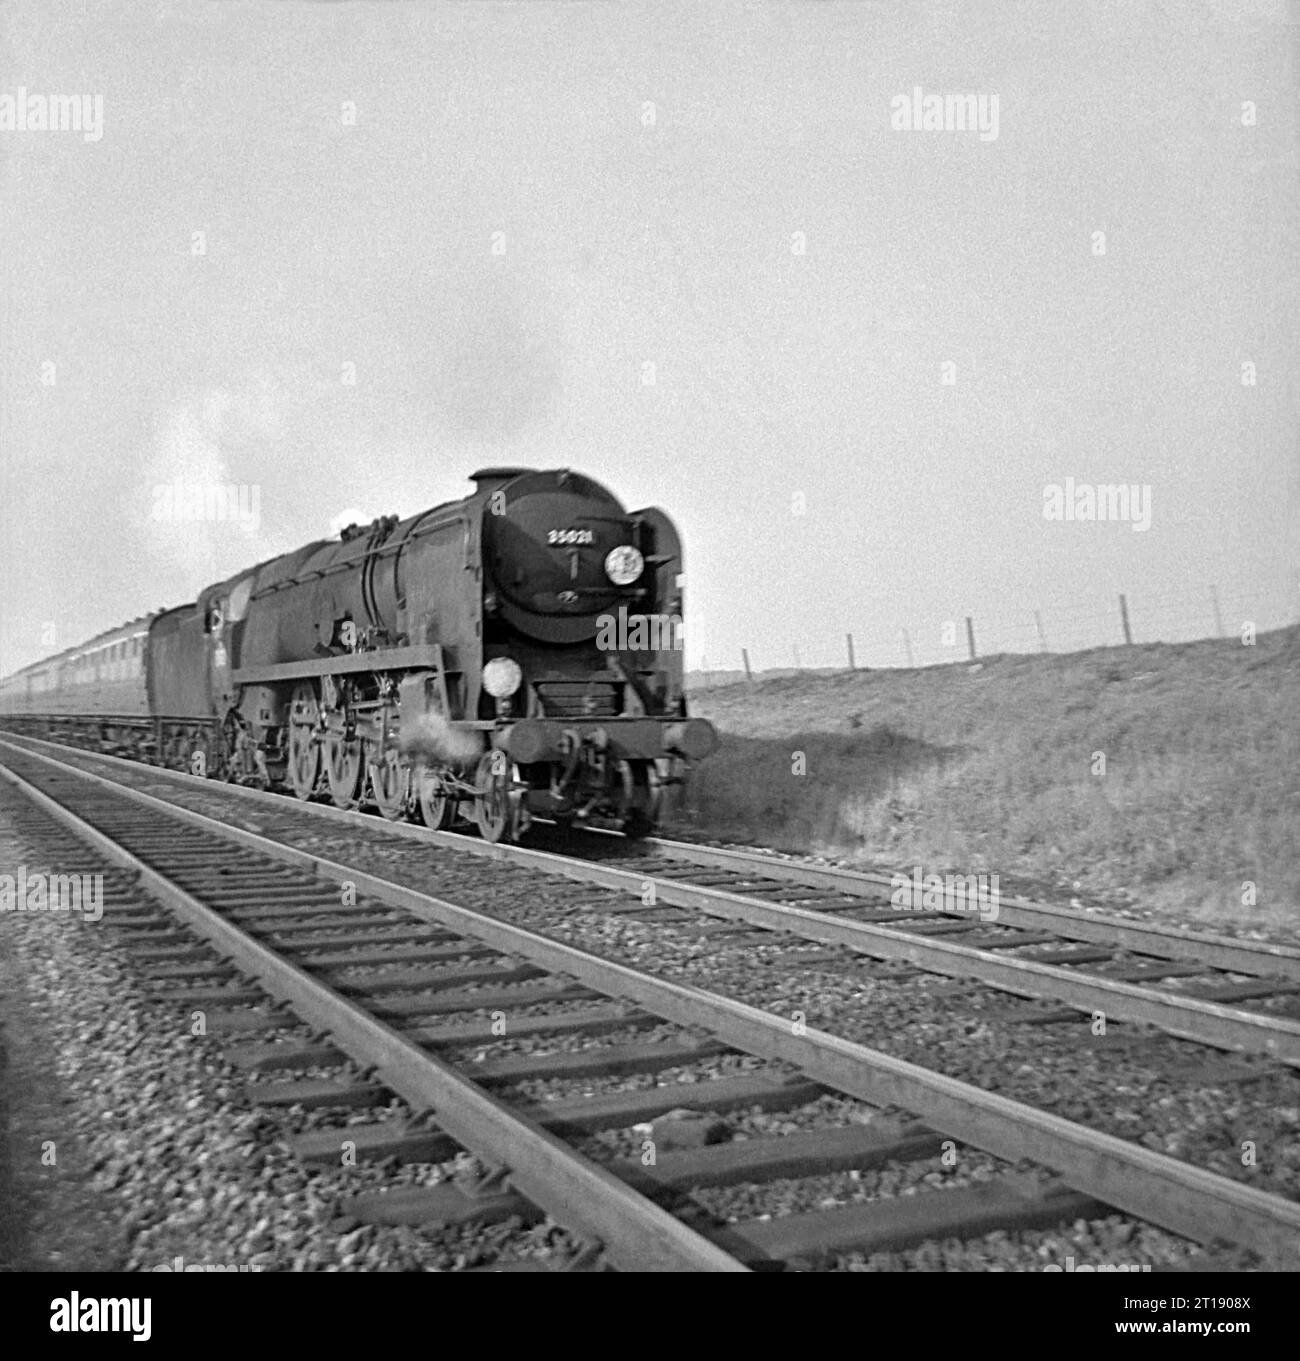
636, 1233
1210, 1023
1153, 1186
1254, 958
1202, 947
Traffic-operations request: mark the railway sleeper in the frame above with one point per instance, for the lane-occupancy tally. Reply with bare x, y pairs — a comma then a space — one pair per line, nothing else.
902, 1222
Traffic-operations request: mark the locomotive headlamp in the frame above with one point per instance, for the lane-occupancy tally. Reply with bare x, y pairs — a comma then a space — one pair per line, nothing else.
502, 676
624, 564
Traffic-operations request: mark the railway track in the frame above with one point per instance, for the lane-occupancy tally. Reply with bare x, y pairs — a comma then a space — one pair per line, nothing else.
403, 982
1187, 983
1218, 991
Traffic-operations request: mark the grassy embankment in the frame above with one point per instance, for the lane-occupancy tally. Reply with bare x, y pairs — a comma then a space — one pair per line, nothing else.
990, 768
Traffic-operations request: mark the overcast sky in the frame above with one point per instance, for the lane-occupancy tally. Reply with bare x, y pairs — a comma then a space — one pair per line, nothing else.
716, 190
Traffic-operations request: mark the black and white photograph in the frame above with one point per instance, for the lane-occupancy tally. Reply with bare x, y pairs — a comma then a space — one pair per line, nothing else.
651, 636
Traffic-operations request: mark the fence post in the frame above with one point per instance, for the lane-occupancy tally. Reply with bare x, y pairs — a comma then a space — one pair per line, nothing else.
852, 666
1218, 617
907, 643
1123, 614
1042, 640
744, 657
798, 665
970, 636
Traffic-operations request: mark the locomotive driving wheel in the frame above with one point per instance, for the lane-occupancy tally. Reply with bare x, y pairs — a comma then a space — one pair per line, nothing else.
390, 783
433, 794
499, 807
304, 747
640, 797
343, 762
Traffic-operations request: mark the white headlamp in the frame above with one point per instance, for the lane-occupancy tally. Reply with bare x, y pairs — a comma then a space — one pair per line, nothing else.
502, 676
624, 564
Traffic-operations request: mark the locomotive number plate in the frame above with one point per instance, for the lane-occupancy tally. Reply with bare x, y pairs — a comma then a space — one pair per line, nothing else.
568, 536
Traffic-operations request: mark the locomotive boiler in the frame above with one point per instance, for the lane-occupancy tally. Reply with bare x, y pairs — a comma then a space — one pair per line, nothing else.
511, 654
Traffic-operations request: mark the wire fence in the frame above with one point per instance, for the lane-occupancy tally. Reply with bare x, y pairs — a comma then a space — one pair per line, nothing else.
1175, 617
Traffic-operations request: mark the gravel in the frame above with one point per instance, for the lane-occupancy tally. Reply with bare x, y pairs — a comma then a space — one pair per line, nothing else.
153, 1127
1128, 1092
1111, 1243
934, 1022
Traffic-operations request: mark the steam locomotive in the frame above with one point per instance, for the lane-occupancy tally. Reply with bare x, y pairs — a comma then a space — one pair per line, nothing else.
512, 654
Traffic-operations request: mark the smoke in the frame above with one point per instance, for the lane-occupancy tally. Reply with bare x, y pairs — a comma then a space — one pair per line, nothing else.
431, 736
497, 371
198, 520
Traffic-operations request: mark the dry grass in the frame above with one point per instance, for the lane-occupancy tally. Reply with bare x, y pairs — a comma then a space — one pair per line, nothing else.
991, 769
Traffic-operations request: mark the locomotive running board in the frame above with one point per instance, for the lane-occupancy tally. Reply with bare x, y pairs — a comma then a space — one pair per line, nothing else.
424, 656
